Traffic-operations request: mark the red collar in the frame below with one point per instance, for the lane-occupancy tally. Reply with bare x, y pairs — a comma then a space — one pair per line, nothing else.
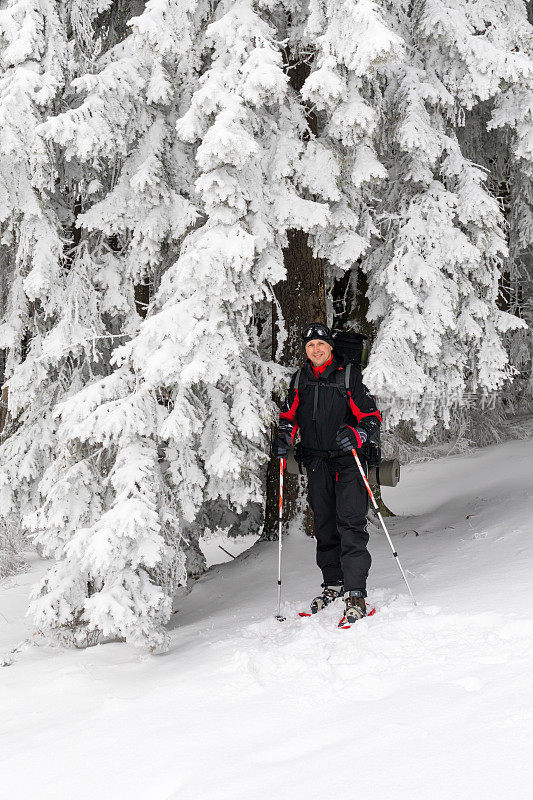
319, 370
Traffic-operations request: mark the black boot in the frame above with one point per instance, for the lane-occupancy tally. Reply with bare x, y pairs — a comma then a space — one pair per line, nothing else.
331, 592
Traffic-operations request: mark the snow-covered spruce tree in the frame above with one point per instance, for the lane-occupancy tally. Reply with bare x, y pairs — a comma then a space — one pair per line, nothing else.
71, 285
352, 49
34, 68
106, 516
180, 424
434, 278
511, 122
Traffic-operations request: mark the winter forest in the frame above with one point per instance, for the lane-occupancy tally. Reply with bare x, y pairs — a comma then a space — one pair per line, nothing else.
183, 185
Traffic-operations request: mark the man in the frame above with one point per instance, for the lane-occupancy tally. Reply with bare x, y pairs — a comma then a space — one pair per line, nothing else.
332, 422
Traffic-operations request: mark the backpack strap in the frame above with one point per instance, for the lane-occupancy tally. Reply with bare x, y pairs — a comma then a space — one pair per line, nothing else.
347, 373
342, 381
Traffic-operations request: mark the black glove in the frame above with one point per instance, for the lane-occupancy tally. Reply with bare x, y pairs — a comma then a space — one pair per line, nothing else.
349, 438
282, 440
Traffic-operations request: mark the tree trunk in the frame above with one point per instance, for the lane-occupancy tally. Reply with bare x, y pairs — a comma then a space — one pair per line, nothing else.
302, 299
385, 511
350, 302
3, 408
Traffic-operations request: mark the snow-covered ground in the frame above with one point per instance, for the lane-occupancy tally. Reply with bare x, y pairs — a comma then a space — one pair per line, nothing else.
432, 701
219, 548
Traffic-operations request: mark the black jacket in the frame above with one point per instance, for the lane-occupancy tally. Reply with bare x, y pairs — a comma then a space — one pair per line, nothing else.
319, 407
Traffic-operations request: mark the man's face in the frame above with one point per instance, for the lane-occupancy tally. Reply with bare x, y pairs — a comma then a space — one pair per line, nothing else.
318, 352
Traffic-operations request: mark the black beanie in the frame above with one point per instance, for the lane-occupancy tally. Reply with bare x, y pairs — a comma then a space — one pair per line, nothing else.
317, 330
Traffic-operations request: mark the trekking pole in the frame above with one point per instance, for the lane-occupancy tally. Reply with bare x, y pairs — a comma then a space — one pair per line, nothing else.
281, 465
378, 512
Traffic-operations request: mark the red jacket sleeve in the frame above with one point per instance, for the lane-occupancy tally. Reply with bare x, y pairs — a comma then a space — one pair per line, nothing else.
363, 404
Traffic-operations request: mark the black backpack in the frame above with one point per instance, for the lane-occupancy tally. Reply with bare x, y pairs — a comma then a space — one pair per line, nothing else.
355, 348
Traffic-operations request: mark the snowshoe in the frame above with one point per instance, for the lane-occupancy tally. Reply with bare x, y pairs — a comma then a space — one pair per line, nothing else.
331, 592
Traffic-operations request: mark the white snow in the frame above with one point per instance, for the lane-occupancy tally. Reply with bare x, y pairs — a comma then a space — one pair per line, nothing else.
219, 548
432, 701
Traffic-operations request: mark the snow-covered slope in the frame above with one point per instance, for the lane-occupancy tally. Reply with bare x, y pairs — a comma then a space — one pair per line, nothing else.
414, 702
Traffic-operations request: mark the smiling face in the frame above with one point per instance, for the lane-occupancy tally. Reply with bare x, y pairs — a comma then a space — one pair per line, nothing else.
318, 352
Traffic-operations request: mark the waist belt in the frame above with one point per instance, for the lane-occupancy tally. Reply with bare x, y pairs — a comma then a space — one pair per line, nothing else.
308, 451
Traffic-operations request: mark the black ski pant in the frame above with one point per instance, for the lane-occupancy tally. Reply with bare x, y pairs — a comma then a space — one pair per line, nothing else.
339, 500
